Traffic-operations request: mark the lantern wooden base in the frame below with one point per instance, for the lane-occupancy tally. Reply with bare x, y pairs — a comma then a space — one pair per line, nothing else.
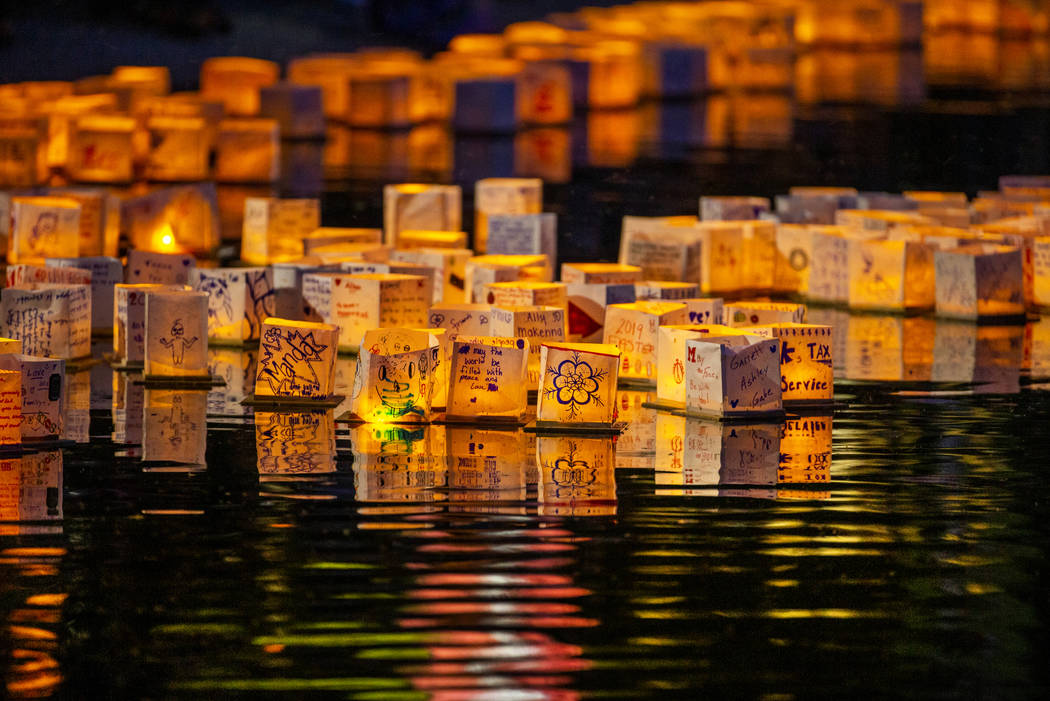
183, 382
557, 428
294, 403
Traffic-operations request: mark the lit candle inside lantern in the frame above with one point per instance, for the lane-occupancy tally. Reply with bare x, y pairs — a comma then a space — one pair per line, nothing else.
394, 378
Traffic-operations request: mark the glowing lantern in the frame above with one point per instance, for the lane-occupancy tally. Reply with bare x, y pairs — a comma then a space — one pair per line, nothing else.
274, 228
147, 267
466, 319
733, 376
526, 294
10, 407
600, 273
577, 476
176, 335
732, 208
394, 378
23, 157
129, 322
488, 379
577, 384
522, 234
288, 288
42, 227
239, 299
889, 348
420, 208
174, 426
105, 273
294, 443
331, 74
432, 239
806, 368
176, 219
359, 303
632, 328
296, 360
544, 90
483, 270
670, 358
737, 256
703, 310
52, 320
666, 290
665, 248
587, 304
536, 324
761, 313
178, 148
486, 465
43, 394
247, 151
236, 81
296, 108
979, 280
101, 148
805, 451
891, 275
504, 196
449, 265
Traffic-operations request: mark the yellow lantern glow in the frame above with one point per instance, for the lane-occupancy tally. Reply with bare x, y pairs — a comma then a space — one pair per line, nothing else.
411, 239
101, 148
737, 256
806, 368
805, 451
577, 384
732, 376
42, 227
577, 476
175, 219
274, 228
891, 275
488, 379
332, 74
247, 151
239, 299
10, 407
536, 324
633, 328
526, 294
178, 148
236, 81
482, 270
394, 380
670, 358
296, 360
51, 320
503, 196
448, 265
420, 207
44, 402
600, 273
522, 234
748, 313
979, 281
176, 335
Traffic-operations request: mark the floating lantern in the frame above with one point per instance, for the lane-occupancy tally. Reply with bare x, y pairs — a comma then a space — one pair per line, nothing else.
733, 376
483, 270
737, 256
247, 151
239, 299
448, 264
488, 379
577, 385
176, 335
879, 220
761, 313
806, 367
587, 304
577, 476
420, 208
536, 324
10, 407
23, 157
703, 310
632, 328
236, 81
494, 196
733, 208
105, 274
665, 248
979, 281
296, 360
296, 108
129, 321
805, 450
670, 358
274, 228
178, 148
41, 227
466, 319
174, 426
147, 267
359, 303
52, 320
43, 394
291, 444
22, 274
600, 273
394, 378
101, 148
544, 90
526, 294
891, 275
176, 219
99, 219
666, 290
522, 234
332, 74
408, 239
288, 284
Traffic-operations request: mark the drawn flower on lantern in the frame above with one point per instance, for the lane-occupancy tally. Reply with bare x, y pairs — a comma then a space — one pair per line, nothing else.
574, 383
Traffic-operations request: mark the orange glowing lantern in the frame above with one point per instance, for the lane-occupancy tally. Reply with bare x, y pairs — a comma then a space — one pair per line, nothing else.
448, 264
526, 294
42, 227
239, 299
176, 332
432, 239
421, 208
670, 358
503, 196
488, 380
748, 313
101, 148
247, 151
236, 81
979, 281
536, 324
43, 394
175, 219
179, 148
577, 384
332, 74
733, 376
633, 329
806, 367
805, 450
600, 273
296, 360
484, 270
891, 275
23, 157
274, 228
394, 378
10, 407
737, 256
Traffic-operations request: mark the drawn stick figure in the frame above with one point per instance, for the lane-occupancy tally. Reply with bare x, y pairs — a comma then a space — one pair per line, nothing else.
178, 343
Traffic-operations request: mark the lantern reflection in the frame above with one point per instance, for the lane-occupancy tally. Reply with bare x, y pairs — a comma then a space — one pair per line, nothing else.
174, 429
486, 465
577, 476
397, 464
293, 444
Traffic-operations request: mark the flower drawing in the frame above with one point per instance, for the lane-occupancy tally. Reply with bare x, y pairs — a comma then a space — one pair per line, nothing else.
574, 384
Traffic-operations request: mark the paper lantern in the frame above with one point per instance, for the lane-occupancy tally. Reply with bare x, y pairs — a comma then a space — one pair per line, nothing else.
25, 275
51, 320
410, 239
806, 367
99, 219
891, 275
23, 157
43, 394
670, 358
101, 148
522, 234
239, 299
665, 248
733, 376
296, 360
274, 228
577, 385
10, 407
544, 91
805, 450
493, 196
632, 328
106, 273
296, 108
737, 256
394, 377
600, 273
149, 268
178, 148
176, 219
889, 348
420, 207
703, 310
359, 303
42, 227
288, 283
439, 391
979, 281
535, 324
294, 444
488, 379
174, 427
733, 208
176, 335
879, 220
526, 294
483, 270
247, 151
587, 304
749, 313
577, 476
129, 322
448, 265
236, 81
665, 290
332, 74
466, 319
